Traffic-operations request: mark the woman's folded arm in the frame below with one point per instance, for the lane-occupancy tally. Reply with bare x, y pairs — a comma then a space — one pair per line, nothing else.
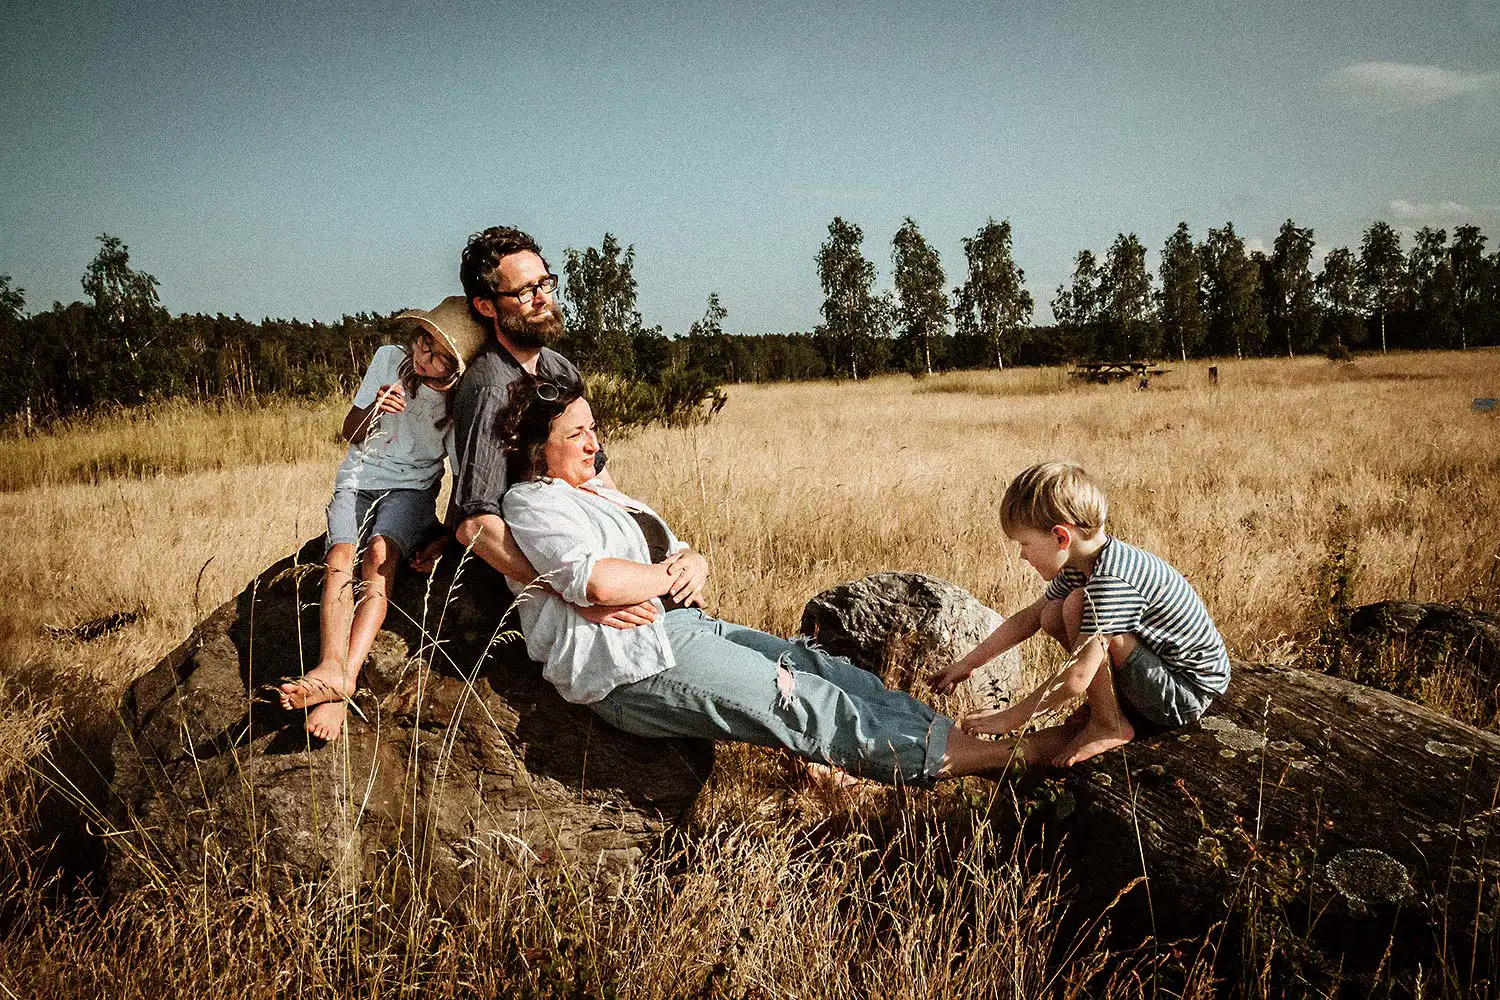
624, 581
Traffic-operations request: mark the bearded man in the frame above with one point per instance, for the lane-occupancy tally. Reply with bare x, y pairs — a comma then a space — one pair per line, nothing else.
512, 293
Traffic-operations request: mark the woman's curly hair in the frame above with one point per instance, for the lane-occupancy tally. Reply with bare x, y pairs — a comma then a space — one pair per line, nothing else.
526, 422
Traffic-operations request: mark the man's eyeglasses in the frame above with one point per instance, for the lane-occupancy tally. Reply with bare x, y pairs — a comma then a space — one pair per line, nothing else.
525, 294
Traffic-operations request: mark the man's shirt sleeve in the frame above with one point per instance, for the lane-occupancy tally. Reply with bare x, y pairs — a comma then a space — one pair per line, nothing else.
479, 460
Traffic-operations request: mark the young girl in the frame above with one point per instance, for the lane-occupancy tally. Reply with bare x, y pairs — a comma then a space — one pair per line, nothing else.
384, 496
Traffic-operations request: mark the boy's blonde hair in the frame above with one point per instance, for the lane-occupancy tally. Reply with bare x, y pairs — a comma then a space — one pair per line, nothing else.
1053, 493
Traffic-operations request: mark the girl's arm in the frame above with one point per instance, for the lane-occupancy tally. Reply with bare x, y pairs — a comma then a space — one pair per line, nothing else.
358, 421
379, 392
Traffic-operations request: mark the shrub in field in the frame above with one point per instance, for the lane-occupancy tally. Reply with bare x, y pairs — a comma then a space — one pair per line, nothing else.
680, 398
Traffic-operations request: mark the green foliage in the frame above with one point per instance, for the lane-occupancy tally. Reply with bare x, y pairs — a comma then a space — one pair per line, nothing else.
123, 348
1236, 322
1333, 593
1079, 307
1128, 329
992, 305
1337, 287
1382, 272
853, 318
767, 357
17, 378
602, 318
921, 305
1467, 260
1291, 310
1179, 303
682, 398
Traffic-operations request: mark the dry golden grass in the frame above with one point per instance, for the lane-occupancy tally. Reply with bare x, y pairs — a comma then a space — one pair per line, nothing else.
792, 489
799, 487
174, 438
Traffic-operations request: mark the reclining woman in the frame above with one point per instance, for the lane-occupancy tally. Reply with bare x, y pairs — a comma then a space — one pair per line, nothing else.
686, 673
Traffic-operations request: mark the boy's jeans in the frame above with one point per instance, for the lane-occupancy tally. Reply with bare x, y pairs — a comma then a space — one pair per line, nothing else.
736, 683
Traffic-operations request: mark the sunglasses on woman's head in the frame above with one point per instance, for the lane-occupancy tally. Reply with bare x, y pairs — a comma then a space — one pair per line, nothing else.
548, 392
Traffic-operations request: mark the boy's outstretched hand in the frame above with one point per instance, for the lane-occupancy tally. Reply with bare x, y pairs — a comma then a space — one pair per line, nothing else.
945, 680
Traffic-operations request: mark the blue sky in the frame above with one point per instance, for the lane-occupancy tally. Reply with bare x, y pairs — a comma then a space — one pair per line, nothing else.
312, 159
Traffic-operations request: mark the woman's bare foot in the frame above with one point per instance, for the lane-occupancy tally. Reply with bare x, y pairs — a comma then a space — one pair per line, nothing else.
1094, 740
989, 722
829, 778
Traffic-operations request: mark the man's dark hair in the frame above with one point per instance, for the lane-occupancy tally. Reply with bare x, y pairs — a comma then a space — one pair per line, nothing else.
526, 422
479, 264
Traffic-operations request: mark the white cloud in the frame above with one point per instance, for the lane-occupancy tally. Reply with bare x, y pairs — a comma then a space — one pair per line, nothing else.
1396, 86
1441, 212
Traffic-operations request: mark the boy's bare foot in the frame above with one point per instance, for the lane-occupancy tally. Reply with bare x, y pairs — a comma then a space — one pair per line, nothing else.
1093, 740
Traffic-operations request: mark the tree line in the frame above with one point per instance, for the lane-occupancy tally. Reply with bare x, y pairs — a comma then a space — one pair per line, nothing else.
1212, 297
122, 348
1216, 298
1208, 298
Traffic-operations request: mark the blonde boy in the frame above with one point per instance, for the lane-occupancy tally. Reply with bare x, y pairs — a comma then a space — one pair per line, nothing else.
1146, 655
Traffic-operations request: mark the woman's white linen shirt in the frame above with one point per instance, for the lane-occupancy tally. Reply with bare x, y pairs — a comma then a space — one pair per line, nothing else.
565, 531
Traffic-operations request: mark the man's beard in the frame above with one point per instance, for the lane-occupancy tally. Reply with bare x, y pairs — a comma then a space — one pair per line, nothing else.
535, 332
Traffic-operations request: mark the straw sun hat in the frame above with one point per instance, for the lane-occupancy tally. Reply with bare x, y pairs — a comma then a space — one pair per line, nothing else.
450, 320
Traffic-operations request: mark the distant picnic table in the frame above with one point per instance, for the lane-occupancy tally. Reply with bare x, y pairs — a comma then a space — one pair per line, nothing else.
1116, 371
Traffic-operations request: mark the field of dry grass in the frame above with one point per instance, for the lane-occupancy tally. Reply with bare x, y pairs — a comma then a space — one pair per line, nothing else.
1247, 488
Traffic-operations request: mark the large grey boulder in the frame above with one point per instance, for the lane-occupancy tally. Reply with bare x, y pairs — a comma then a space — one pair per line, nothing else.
466, 757
900, 625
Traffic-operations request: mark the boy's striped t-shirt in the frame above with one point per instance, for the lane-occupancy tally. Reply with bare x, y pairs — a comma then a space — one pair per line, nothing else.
1134, 591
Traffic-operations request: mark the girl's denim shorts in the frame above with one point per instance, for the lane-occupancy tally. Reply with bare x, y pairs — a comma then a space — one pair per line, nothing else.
406, 518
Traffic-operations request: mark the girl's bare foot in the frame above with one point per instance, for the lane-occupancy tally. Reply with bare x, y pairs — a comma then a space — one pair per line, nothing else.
325, 682
326, 721
323, 689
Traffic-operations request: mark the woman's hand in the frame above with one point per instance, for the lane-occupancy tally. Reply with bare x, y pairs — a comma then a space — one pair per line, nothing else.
620, 616
688, 572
